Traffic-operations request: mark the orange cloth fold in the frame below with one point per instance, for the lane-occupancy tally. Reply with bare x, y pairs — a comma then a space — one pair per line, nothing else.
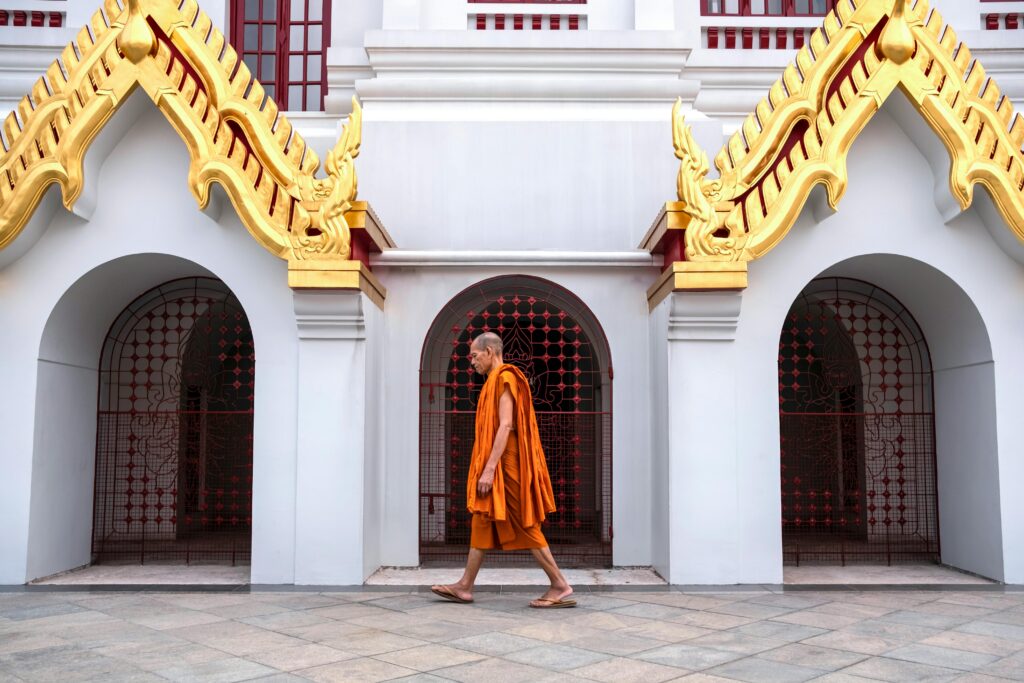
515, 514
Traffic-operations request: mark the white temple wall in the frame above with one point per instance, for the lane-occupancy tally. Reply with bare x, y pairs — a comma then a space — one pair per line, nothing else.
616, 298
137, 238
514, 185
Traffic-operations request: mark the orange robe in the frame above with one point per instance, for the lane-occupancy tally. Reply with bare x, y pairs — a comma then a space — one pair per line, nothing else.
509, 517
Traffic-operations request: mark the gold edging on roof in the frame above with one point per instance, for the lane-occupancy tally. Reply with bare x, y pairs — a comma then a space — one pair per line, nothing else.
234, 133
799, 135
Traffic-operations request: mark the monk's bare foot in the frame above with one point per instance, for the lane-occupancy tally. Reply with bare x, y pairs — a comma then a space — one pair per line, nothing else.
555, 596
453, 592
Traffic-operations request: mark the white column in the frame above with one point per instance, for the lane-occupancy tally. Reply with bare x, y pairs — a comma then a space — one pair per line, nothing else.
331, 437
703, 419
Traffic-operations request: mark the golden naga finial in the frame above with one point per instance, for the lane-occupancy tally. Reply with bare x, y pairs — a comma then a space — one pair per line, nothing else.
695, 193
137, 39
328, 234
897, 42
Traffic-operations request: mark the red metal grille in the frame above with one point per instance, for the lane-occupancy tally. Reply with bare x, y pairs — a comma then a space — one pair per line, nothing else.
174, 429
857, 429
554, 339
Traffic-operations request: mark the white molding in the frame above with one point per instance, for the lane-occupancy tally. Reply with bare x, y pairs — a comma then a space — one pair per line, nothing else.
703, 316
332, 315
472, 259
456, 71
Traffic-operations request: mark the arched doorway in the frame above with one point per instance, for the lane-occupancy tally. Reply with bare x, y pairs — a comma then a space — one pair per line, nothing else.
552, 336
174, 429
857, 420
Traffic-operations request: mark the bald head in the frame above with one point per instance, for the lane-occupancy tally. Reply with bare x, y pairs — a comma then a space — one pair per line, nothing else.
489, 341
485, 353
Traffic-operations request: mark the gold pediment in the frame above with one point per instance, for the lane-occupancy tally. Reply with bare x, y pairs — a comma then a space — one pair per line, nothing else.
235, 134
799, 135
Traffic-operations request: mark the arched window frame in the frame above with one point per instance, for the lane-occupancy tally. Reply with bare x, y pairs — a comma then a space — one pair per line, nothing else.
277, 39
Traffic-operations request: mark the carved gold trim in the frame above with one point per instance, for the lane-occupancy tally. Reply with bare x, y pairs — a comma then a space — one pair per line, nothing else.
336, 274
234, 133
799, 135
704, 276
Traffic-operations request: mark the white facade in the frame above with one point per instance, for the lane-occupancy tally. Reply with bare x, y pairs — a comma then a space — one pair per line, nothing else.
488, 154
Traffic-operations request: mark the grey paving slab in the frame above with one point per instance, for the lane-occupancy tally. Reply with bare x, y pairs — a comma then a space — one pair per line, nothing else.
492, 670
825, 658
219, 671
557, 657
688, 657
622, 670
1011, 667
941, 656
615, 643
992, 628
757, 670
429, 657
899, 671
365, 669
648, 635
776, 630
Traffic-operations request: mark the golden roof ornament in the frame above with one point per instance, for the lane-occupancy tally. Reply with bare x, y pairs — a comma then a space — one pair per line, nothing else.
234, 132
897, 42
799, 136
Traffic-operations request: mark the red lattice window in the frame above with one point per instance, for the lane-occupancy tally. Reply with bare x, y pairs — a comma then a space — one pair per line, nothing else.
857, 420
284, 44
767, 8
550, 335
174, 429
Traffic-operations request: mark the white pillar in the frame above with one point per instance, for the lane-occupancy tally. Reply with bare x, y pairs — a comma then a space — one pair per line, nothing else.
703, 419
331, 437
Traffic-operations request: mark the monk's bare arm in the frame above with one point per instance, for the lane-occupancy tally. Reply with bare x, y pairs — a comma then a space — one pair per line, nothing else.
506, 410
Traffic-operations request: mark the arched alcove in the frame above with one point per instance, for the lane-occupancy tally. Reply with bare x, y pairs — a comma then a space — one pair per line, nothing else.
68, 386
857, 423
554, 338
174, 429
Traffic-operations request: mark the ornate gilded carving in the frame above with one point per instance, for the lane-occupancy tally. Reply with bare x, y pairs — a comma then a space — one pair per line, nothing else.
799, 135
234, 132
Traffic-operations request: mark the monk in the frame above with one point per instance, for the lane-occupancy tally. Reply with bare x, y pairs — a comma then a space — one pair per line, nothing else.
508, 489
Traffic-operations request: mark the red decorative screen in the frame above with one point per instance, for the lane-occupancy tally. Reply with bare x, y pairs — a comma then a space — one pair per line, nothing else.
284, 44
174, 429
769, 8
551, 336
857, 429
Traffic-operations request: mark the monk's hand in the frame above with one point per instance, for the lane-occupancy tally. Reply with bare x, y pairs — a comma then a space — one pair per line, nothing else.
486, 481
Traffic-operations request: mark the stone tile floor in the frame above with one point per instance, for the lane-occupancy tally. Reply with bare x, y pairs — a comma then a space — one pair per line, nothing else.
645, 634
